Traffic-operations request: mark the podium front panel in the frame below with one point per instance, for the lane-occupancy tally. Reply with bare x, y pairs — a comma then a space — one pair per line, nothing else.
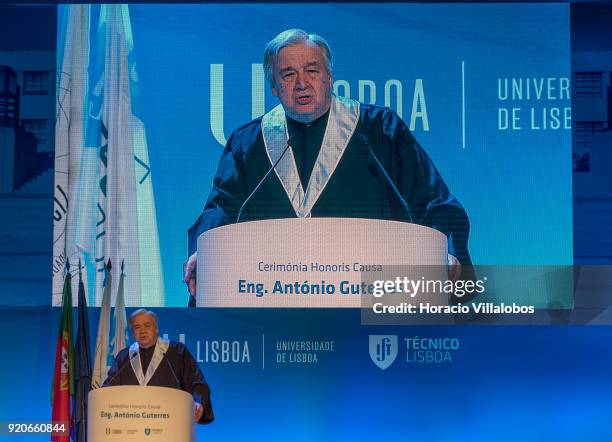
311, 262
136, 413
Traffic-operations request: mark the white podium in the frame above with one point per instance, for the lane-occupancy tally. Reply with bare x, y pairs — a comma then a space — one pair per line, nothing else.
137, 413
245, 265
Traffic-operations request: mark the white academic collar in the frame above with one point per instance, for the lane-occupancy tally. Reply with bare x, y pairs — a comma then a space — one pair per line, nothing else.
161, 346
341, 124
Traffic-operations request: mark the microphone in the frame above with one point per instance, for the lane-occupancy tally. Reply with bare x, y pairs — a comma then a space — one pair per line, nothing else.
178, 384
364, 139
246, 201
109, 382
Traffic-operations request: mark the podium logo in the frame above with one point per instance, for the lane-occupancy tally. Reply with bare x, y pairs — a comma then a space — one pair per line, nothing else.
147, 431
383, 350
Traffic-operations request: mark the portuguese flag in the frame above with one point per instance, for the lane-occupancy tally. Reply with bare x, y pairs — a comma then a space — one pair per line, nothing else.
63, 383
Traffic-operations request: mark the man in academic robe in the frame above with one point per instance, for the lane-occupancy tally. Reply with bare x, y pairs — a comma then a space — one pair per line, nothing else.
154, 361
333, 157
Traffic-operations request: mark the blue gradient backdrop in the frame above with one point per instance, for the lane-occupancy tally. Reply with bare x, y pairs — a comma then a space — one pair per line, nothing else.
504, 384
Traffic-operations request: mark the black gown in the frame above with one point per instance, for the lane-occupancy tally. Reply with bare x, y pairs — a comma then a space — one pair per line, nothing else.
187, 372
357, 188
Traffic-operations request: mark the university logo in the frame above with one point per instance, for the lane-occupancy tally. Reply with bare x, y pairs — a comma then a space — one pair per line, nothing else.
147, 431
383, 350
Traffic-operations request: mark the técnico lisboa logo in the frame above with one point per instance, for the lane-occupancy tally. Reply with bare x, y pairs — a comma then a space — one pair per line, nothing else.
383, 350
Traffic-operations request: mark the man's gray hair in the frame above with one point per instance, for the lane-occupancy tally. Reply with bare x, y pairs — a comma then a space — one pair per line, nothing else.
143, 311
288, 38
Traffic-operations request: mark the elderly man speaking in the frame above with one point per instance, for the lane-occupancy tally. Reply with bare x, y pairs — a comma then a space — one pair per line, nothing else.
143, 364
331, 157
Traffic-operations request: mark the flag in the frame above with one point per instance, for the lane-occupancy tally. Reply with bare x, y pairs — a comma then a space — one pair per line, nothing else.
82, 368
127, 226
120, 337
100, 363
70, 156
63, 383
104, 204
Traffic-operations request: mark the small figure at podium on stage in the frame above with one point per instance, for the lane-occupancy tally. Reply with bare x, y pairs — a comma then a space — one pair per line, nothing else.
154, 361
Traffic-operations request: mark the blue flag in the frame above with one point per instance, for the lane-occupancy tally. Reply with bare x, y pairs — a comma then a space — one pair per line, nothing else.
82, 369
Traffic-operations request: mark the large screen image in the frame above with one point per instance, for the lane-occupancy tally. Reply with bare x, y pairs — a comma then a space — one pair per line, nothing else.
152, 94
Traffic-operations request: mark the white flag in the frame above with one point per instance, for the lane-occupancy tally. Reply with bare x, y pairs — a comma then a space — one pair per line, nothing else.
71, 94
127, 226
101, 365
120, 337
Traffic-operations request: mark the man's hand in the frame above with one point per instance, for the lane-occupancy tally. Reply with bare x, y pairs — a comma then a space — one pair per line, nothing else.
454, 268
198, 411
189, 273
